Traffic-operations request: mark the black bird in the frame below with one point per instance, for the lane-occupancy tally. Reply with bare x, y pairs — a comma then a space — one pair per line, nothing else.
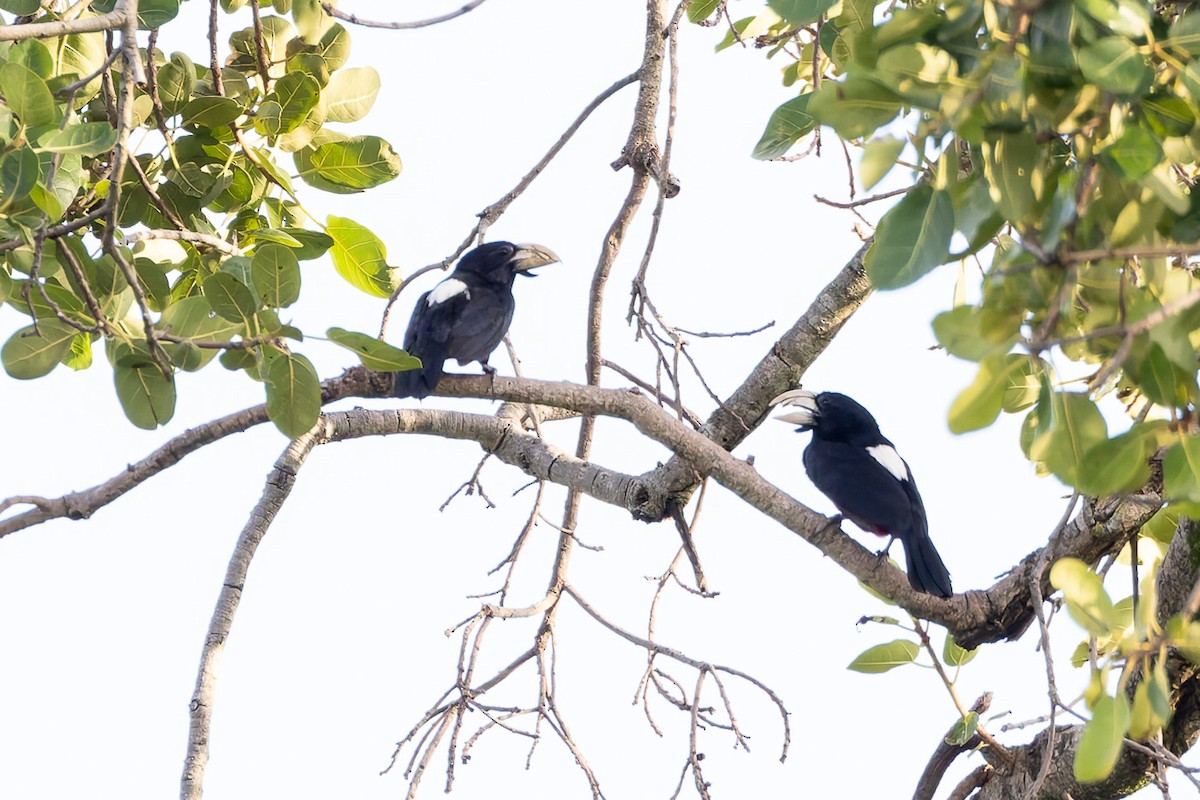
856, 467
466, 315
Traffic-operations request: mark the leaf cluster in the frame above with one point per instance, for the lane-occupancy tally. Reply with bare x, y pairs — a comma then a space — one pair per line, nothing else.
192, 246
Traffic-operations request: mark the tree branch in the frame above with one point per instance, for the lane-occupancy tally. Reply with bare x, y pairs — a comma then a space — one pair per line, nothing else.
780, 369
278, 487
398, 26
45, 30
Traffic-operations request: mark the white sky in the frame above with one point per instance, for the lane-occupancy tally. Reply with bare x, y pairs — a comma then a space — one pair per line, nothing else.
338, 646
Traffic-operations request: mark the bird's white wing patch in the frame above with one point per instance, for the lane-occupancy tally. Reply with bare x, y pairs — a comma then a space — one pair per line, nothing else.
890, 460
451, 287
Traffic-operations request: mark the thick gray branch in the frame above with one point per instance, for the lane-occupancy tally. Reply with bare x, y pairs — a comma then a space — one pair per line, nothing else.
278, 487
45, 30
780, 369
1131, 773
82, 504
503, 438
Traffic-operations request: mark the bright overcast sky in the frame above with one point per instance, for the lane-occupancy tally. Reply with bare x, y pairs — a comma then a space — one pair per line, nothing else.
338, 647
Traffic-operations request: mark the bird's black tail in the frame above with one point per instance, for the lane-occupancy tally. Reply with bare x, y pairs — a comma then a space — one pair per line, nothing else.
420, 382
926, 572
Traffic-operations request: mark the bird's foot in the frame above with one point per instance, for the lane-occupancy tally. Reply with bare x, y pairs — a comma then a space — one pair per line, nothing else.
490, 372
882, 555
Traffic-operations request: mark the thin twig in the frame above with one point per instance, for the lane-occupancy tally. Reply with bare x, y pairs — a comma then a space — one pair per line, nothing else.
399, 26
493, 212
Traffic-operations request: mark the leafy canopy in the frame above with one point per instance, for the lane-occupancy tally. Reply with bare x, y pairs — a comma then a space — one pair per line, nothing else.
1055, 146
192, 247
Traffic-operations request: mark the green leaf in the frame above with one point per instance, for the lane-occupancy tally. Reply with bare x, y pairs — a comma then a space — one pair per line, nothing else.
147, 397
964, 730
154, 280
976, 216
976, 332
1134, 154
800, 12
787, 125
740, 27
1185, 33
1119, 464
334, 47
1010, 163
1101, 742
275, 273
1185, 635
855, 107
84, 138
19, 173
293, 393
21, 7
33, 351
77, 56
917, 71
176, 83
698, 11
311, 20
210, 112
956, 656
313, 244
1087, 602
1181, 469
883, 657
878, 158
1166, 187
1125, 17
1115, 65
68, 179
1159, 378
33, 54
913, 238
151, 13
1160, 692
193, 318
351, 93
1143, 722
373, 353
359, 257
27, 94
979, 404
1169, 115
288, 104
350, 165
1076, 426
229, 297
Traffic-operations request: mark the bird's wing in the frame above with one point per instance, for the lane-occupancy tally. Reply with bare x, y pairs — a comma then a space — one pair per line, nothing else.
435, 319
864, 490
480, 325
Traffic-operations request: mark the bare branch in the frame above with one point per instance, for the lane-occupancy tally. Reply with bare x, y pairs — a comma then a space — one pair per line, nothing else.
278, 487
207, 239
122, 11
493, 212
398, 26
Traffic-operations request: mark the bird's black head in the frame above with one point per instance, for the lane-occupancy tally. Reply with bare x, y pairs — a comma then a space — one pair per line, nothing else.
833, 416
502, 261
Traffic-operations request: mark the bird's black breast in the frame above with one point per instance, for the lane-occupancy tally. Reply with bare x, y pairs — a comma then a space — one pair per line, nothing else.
863, 490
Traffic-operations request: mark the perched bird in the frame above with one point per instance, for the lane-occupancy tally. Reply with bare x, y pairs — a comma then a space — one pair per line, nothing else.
466, 315
856, 467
